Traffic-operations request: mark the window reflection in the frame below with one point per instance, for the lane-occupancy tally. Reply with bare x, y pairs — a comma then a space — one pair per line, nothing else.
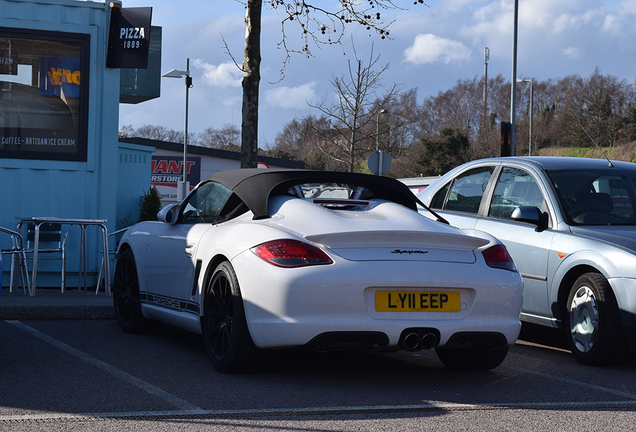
42, 86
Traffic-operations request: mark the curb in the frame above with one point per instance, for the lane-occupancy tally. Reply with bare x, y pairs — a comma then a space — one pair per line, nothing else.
49, 304
54, 312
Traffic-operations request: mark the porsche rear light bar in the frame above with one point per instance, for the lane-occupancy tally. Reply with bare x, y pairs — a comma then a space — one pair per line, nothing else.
291, 253
498, 257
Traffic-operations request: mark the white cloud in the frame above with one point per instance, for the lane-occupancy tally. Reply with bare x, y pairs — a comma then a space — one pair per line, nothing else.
428, 48
572, 53
489, 22
629, 6
458, 5
291, 97
568, 22
224, 75
612, 26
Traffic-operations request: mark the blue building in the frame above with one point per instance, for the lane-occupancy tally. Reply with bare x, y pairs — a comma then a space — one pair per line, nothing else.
58, 118
61, 81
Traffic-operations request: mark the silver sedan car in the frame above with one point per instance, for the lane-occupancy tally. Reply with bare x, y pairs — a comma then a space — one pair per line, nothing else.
570, 226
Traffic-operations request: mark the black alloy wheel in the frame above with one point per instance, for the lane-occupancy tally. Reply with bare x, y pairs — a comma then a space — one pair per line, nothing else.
224, 326
126, 298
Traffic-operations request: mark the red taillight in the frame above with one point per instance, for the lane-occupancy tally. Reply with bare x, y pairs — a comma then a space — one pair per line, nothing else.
291, 253
498, 257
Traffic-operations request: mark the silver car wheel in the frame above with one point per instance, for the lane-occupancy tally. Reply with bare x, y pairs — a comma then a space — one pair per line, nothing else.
584, 319
594, 320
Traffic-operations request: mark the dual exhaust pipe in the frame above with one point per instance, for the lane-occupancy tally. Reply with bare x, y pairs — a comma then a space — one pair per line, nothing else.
417, 339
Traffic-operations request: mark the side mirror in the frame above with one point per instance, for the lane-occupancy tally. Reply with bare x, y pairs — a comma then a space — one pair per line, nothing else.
527, 214
169, 214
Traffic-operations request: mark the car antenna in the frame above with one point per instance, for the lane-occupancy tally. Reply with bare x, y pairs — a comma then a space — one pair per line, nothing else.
597, 146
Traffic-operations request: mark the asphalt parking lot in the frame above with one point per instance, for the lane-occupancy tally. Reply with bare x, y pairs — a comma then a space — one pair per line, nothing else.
86, 374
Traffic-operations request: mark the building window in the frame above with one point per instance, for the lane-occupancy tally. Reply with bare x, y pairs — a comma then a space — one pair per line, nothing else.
43, 94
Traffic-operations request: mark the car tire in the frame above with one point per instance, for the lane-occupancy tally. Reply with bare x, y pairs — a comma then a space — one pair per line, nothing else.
224, 326
592, 318
126, 298
475, 358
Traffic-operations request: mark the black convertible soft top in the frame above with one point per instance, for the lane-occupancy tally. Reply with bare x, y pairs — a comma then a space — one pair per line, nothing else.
254, 186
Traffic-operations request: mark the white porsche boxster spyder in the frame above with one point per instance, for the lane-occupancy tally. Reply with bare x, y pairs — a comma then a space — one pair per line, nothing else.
256, 260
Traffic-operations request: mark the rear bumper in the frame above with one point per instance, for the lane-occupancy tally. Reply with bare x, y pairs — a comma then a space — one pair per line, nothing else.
292, 307
411, 339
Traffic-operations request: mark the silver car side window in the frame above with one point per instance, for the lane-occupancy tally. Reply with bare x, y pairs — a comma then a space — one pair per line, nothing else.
515, 188
468, 189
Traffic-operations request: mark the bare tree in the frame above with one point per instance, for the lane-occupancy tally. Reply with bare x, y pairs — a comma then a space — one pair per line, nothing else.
159, 133
299, 141
317, 26
251, 81
397, 132
226, 138
458, 108
604, 105
597, 103
400, 118
126, 131
351, 131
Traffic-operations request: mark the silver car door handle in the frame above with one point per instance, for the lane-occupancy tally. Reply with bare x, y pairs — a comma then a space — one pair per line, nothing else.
189, 250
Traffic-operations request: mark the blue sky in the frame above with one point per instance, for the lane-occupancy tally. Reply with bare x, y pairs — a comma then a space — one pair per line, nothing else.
431, 47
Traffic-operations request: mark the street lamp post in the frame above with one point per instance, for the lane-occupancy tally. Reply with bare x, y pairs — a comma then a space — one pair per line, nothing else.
182, 190
531, 111
486, 58
377, 140
513, 81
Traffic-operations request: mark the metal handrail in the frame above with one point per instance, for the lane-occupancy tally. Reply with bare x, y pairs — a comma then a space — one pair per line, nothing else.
107, 260
17, 248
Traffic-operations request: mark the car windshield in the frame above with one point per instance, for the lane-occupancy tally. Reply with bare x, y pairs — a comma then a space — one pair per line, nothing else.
596, 196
